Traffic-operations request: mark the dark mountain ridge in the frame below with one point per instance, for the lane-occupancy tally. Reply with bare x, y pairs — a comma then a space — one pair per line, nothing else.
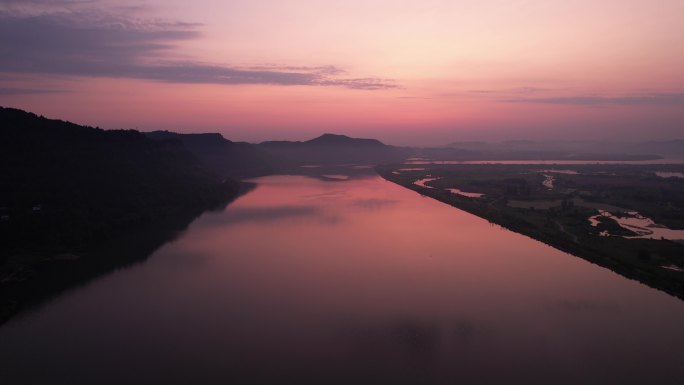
560, 150
333, 149
222, 156
343, 140
78, 201
91, 181
66, 190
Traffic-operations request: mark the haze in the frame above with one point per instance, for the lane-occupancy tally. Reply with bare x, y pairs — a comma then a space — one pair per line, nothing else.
405, 72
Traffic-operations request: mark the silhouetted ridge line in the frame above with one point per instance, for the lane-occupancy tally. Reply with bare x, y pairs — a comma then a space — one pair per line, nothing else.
333, 149
339, 140
224, 157
66, 190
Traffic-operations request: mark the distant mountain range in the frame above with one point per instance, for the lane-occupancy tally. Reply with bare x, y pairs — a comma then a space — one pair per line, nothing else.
223, 157
65, 186
666, 148
77, 201
240, 159
331, 148
570, 150
343, 140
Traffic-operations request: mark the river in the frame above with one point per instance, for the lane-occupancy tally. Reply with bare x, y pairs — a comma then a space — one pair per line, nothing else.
349, 281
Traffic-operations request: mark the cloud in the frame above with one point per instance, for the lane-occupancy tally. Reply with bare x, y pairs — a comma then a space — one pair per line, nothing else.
26, 91
44, 2
323, 70
527, 90
359, 84
204, 73
84, 41
481, 91
656, 99
497, 93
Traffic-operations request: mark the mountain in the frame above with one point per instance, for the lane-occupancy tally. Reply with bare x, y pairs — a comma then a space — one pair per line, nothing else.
78, 201
241, 160
65, 185
224, 157
333, 149
343, 140
542, 150
668, 148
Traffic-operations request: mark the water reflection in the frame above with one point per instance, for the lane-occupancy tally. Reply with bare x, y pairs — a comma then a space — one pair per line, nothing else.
664, 174
549, 162
266, 214
374, 203
637, 224
586, 305
423, 182
464, 193
308, 281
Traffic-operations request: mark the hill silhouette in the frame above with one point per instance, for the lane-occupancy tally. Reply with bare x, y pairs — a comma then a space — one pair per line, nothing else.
65, 185
66, 190
78, 201
224, 157
333, 149
343, 140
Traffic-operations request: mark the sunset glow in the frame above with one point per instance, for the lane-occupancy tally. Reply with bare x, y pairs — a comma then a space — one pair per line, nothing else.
405, 72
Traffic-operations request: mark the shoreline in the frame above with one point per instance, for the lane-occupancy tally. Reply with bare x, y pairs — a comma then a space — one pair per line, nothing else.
604, 252
42, 277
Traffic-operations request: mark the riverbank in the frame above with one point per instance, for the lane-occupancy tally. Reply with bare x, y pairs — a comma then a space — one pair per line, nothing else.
28, 280
561, 225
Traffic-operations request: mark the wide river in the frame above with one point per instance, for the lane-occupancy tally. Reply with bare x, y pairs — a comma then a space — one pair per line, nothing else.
312, 281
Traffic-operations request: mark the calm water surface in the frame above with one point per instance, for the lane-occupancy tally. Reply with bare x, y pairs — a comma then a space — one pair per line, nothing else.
549, 161
350, 281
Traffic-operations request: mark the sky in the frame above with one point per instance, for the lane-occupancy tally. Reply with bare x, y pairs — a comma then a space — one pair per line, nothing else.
405, 72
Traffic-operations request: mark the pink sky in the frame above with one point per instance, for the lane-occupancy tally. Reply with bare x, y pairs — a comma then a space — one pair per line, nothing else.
406, 72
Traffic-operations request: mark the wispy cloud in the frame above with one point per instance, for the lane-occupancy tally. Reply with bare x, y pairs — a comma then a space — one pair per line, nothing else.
359, 83
78, 40
662, 99
44, 3
527, 90
494, 94
27, 91
322, 70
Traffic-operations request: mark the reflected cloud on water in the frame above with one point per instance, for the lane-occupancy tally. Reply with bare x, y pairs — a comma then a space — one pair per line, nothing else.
236, 216
586, 306
374, 204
